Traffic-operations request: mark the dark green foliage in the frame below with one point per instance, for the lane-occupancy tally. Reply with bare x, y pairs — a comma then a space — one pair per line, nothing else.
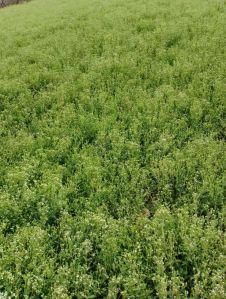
112, 146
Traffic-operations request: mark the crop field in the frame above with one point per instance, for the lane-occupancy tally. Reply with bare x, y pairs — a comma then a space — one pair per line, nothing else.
112, 149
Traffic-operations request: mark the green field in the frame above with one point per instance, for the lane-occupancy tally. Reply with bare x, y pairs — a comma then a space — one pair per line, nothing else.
112, 149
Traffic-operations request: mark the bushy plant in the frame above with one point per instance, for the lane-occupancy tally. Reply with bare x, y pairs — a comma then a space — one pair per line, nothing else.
112, 145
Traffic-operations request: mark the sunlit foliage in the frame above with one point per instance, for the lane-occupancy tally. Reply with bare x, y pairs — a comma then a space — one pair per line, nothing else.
112, 149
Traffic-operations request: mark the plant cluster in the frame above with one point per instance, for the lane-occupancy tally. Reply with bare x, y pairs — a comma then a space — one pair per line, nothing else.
112, 146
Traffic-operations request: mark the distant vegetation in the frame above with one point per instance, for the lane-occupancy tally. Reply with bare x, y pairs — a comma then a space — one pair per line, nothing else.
112, 146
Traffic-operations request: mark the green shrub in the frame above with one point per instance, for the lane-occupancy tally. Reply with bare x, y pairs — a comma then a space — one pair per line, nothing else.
112, 145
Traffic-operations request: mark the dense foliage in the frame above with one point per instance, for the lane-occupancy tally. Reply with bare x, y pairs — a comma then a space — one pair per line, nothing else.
112, 149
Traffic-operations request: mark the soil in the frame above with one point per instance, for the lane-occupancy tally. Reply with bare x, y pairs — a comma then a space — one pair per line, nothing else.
4, 3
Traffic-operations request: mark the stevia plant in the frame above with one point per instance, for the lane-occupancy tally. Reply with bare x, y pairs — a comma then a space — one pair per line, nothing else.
112, 145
